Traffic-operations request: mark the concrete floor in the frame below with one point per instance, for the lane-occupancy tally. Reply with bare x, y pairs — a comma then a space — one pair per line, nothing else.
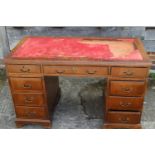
80, 106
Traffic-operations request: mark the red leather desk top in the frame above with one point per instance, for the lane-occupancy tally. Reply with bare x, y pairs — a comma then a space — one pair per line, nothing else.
77, 48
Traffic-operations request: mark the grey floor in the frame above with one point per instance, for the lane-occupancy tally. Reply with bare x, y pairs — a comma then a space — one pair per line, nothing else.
80, 106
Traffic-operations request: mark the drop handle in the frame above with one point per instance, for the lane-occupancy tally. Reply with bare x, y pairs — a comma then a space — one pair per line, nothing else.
124, 119
29, 99
124, 104
25, 70
91, 72
126, 90
60, 71
128, 73
27, 86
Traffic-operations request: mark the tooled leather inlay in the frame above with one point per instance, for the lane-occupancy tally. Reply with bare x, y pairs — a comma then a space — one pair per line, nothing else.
77, 48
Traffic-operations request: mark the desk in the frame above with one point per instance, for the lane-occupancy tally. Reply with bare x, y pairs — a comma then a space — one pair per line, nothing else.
34, 65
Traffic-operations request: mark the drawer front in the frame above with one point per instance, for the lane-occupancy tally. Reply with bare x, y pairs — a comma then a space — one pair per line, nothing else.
29, 99
26, 84
123, 117
24, 69
58, 70
93, 70
124, 103
31, 112
127, 88
129, 72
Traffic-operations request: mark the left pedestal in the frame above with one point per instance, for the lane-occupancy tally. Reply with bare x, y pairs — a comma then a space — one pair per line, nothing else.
34, 95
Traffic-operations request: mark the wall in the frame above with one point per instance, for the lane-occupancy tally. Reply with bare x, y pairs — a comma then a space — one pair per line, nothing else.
147, 34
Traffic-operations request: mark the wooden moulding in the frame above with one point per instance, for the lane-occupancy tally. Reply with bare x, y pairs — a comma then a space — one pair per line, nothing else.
21, 122
121, 126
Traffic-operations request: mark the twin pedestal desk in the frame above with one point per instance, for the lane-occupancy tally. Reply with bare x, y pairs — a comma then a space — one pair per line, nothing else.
34, 65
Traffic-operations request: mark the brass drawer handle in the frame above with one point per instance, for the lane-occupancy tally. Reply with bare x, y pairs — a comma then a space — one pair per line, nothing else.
91, 72
27, 86
124, 104
128, 73
28, 99
126, 90
23, 69
60, 71
124, 119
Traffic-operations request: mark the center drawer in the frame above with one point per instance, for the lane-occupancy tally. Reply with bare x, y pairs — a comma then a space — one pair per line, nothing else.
29, 99
93, 71
26, 84
127, 88
123, 117
80, 70
31, 112
58, 70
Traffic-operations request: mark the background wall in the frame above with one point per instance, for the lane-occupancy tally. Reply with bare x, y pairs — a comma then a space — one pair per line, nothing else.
147, 34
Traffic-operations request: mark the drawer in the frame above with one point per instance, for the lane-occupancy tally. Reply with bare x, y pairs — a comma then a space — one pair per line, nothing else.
93, 70
123, 117
24, 69
26, 84
75, 70
58, 70
127, 88
129, 72
31, 112
29, 99
124, 103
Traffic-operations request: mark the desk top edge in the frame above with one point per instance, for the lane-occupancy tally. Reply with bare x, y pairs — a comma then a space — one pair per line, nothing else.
138, 42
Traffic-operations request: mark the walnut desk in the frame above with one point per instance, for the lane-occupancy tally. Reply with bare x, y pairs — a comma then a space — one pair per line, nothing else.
34, 65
